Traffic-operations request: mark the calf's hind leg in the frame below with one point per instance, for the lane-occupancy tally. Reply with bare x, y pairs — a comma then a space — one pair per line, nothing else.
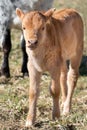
63, 81
72, 80
55, 92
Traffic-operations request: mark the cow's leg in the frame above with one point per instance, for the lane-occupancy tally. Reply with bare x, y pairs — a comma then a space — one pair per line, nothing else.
72, 80
55, 92
24, 69
6, 50
33, 95
63, 81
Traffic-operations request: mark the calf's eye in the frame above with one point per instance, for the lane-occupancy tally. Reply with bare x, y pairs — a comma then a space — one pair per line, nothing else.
23, 28
43, 28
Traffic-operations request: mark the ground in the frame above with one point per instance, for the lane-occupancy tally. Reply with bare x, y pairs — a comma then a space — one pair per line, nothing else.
14, 91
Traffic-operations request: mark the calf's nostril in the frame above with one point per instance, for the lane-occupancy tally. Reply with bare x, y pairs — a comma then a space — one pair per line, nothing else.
32, 41
29, 41
36, 42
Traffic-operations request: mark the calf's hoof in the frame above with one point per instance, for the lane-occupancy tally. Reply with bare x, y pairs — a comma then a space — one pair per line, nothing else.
65, 113
28, 124
66, 109
55, 115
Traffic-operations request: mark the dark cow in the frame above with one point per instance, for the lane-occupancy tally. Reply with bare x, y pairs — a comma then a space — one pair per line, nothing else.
9, 20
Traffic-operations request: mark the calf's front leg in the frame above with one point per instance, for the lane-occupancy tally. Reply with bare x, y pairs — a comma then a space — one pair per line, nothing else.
33, 94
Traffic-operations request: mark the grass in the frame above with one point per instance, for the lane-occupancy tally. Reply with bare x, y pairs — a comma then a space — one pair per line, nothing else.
14, 91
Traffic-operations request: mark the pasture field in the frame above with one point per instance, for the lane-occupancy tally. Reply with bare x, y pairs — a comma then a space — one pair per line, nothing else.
14, 91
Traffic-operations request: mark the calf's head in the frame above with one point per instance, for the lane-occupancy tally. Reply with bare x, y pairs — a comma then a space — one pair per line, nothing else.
34, 26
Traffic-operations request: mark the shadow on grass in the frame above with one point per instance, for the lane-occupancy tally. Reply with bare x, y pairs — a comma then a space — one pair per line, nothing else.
54, 127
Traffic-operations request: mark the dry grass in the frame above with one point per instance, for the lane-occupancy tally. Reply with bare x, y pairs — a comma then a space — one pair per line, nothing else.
14, 91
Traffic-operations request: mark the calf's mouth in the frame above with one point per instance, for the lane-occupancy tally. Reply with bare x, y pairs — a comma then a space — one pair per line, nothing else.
31, 46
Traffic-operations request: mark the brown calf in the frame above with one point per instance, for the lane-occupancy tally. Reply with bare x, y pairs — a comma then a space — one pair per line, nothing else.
52, 38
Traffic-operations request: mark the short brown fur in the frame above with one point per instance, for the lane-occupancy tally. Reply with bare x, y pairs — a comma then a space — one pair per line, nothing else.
52, 38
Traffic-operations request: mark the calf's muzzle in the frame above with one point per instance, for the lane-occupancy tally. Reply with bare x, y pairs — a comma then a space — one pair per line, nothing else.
33, 42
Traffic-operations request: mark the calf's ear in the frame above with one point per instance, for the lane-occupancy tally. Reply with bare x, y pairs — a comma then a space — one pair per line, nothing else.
20, 13
50, 12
